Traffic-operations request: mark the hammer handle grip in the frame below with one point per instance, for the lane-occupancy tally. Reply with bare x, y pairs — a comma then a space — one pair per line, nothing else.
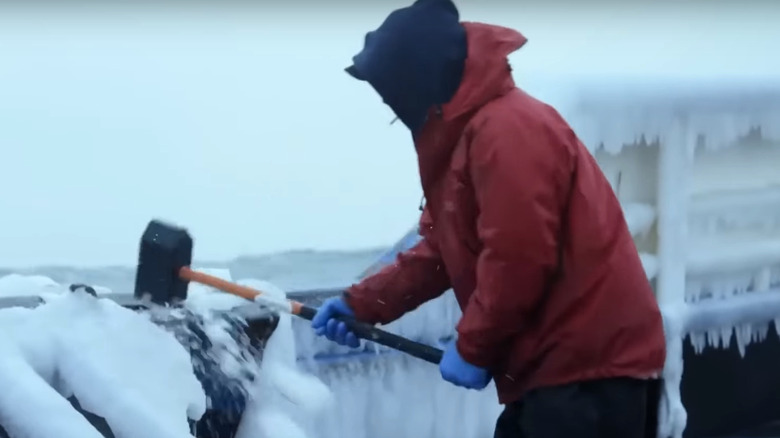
370, 333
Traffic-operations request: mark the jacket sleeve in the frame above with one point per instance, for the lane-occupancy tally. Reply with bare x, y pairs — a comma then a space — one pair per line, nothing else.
417, 276
515, 176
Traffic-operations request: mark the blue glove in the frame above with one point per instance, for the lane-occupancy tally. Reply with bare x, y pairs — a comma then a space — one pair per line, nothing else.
324, 323
457, 371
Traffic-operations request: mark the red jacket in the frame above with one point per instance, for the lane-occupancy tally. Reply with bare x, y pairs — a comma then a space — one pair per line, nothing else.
523, 226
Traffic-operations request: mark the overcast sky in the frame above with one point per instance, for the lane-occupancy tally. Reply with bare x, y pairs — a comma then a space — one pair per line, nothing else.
241, 124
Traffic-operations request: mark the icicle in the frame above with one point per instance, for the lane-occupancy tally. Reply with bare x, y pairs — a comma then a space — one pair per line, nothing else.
713, 337
760, 332
698, 342
725, 337
743, 334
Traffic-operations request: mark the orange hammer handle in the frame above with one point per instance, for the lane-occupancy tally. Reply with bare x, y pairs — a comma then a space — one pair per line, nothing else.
238, 290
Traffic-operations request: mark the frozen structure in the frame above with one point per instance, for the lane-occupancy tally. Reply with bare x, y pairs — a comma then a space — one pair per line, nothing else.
704, 157
96, 369
696, 166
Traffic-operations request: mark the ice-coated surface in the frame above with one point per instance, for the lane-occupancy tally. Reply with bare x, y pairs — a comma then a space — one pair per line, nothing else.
285, 401
394, 396
612, 112
133, 373
639, 217
118, 364
672, 416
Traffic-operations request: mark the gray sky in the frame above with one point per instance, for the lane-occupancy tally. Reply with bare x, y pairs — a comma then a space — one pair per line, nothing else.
242, 125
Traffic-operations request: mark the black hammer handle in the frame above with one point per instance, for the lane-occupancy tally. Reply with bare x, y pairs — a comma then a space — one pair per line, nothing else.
373, 334
360, 329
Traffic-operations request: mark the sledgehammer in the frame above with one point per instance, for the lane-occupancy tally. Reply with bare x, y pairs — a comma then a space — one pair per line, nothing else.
164, 273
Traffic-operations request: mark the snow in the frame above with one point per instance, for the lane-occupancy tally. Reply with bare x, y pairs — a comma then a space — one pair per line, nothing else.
132, 372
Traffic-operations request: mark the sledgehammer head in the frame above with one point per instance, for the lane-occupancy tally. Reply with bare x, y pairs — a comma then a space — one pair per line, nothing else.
165, 249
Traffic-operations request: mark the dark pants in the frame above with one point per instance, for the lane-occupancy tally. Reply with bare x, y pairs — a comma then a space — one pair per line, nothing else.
609, 408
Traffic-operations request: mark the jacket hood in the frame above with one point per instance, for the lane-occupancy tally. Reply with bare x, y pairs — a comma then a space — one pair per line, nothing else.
486, 76
487, 73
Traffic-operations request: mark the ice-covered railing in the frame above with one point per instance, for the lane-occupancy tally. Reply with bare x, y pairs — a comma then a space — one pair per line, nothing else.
711, 323
731, 285
118, 364
122, 367
611, 112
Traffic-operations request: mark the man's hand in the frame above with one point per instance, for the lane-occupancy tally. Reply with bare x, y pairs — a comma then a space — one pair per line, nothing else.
457, 371
324, 322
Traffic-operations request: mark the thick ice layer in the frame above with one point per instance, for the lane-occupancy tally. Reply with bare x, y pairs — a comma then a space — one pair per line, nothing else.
724, 284
710, 322
672, 416
280, 396
26, 395
134, 373
612, 112
118, 364
395, 396
732, 211
283, 397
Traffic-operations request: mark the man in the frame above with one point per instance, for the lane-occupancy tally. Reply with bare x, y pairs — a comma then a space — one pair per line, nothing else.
522, 225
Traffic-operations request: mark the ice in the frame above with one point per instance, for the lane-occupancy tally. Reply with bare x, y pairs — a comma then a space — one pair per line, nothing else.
395, 396
737, 252
32, 285
710, 323
127, 370
26, 396
672, 416
202, 299
135, 374
639, 217
611, 112
118, 364
283, 396
381, 393
650, 264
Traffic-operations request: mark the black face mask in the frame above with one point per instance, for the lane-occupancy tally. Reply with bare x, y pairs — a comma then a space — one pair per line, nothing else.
415, 59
